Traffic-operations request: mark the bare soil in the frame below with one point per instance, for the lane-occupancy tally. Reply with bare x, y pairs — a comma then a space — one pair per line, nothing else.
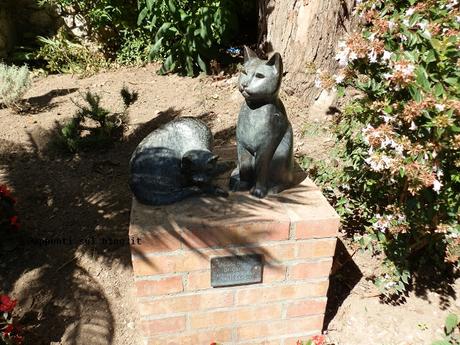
69, 264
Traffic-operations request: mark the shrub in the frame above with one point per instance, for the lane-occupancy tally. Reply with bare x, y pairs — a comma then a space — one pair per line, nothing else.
64, 56
107, 20
9, 332
8, 217
103, 127
14, 82
399, 144
187, 33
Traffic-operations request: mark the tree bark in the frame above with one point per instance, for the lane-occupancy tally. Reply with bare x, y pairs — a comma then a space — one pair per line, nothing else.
305, 33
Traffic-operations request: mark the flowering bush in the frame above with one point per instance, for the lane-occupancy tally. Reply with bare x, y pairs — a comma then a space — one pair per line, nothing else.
8, 217
400, 142
9, 332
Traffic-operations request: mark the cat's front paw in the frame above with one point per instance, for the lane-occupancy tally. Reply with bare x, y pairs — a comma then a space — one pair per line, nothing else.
259, 192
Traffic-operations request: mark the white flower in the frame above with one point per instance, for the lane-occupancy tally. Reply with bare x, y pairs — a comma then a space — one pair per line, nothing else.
422, 25
342, 57
439, 173
372, 56
437, 186
457, 18
387, 118
386, 55
452, 4
339, 78
410, 12
413, 126
406, 22
353, 56
387, 75
391, 25
318, 83
403, 37
439, 107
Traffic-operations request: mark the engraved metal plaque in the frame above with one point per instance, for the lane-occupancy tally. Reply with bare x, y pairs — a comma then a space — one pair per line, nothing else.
236, 270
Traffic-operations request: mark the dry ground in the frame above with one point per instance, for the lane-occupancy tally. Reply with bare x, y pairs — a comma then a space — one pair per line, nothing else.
79, 289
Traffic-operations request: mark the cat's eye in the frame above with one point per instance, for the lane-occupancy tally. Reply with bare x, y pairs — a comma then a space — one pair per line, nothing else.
259, 75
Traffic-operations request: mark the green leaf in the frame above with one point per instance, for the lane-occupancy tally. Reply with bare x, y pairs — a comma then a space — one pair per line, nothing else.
156, 47
439, 90
142, 15
172, 7
150, 4
202, 64
340, 91
452, 81
422, 78
415, 93
451, 323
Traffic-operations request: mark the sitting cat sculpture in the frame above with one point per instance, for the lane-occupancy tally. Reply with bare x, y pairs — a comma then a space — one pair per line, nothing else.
173, 163
264, 134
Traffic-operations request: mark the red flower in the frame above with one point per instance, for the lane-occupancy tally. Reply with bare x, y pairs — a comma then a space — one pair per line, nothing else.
5, 191
318, 339
6, 303
8, 329
14, 221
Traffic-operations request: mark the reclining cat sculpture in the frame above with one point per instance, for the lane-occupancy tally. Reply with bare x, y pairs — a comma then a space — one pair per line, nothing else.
174, 162
264, 134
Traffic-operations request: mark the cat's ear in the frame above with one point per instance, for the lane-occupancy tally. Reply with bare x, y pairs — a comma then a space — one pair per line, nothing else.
248, 54
213, 160
276, 62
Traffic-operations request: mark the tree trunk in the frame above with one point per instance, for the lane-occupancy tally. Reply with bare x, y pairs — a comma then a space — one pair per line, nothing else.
305, 33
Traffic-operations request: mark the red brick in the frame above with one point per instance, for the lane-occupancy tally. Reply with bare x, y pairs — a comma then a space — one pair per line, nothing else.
316, 248
305, 308
166, 325
308, 270
158, 241
159, 287
317, 228
219, 235
281, 292
196, 338
280, 328
240, 315
274, 274
179, 304
153, 265
199, 280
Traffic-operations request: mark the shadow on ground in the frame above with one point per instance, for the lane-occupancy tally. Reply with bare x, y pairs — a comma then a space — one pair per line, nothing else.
344, 277
69, 207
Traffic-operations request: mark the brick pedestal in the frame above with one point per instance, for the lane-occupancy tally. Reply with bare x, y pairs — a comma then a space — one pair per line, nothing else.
172, 246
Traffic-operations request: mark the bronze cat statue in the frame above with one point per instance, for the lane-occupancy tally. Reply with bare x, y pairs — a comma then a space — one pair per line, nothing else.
264, 134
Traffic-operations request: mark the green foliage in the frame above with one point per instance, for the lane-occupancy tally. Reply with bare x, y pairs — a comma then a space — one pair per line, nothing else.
94, 126
451, 331
397, 185
186, 33
64, 56
14, 82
